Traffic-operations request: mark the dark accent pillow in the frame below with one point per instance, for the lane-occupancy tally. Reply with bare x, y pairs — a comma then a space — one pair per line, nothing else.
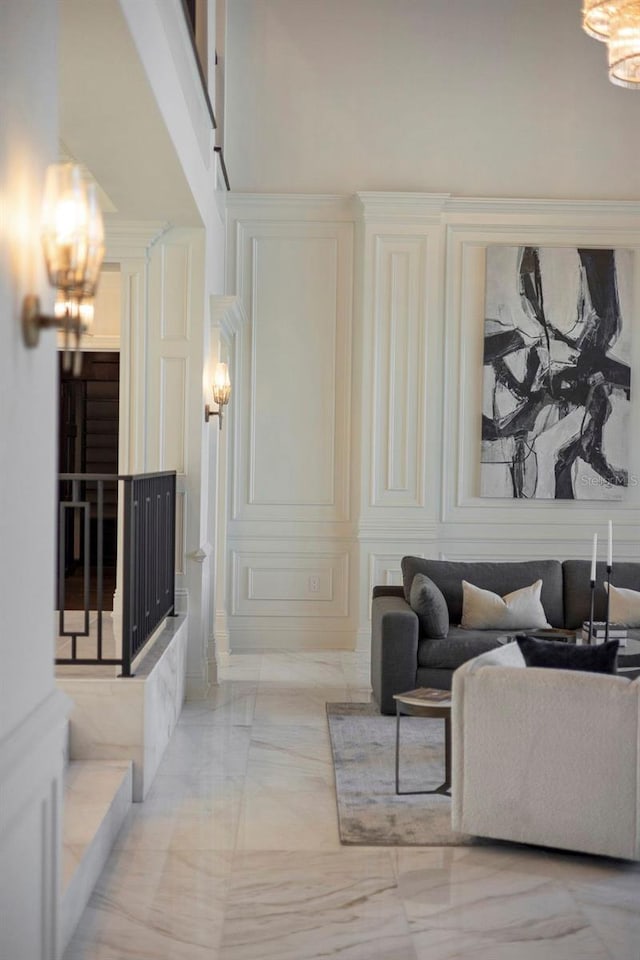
428, 601
599, 658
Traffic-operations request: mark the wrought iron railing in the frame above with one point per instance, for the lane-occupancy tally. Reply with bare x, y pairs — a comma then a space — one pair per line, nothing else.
190, 12
149, 559
147, 563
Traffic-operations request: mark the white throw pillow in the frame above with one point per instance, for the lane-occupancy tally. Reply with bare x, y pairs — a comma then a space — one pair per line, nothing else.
509, 655
625, 606
520, 610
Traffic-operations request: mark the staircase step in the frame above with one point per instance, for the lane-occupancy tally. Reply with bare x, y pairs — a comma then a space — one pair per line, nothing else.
97, 797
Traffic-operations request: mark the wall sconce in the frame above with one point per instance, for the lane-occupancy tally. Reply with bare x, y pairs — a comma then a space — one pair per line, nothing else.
73, 244
221, 388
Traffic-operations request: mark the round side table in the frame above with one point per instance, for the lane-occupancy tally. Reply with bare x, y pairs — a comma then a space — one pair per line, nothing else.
420, 703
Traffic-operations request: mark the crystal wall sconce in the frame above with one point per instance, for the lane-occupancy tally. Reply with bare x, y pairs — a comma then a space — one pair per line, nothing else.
73, 244
221, 389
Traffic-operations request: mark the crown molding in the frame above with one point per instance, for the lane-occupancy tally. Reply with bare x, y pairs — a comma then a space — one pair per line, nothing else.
290, 206
405, 207
510, 206
125, 239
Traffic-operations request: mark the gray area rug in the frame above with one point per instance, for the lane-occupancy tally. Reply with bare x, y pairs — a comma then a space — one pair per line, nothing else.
369, 811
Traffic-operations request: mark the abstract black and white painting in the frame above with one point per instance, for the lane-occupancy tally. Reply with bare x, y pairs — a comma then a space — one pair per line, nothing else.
557, 378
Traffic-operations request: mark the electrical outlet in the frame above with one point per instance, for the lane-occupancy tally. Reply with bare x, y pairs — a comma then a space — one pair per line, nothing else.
314, 584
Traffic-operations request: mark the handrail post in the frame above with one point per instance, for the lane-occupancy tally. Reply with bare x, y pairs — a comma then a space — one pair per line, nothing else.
172, 544
128, 574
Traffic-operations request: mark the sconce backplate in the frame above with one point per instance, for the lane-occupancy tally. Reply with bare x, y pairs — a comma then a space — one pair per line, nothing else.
31, 320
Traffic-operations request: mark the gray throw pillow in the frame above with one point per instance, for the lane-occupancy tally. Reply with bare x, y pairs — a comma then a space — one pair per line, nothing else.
427, 600
600, 658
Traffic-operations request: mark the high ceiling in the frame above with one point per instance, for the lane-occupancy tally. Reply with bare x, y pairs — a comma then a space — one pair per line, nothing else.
110, 121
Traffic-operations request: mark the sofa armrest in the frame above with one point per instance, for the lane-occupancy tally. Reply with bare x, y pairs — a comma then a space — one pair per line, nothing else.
394, 649
388, 590
539, 754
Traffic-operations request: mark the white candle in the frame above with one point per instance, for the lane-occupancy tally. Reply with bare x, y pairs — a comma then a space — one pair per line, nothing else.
593, 556
610, 546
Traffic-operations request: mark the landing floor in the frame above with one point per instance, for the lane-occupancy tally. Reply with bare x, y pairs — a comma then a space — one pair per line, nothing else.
235, 854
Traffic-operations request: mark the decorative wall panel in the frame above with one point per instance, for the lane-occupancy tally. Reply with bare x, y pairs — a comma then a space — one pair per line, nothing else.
173, 400
293, 389
175, 291
290, 584
400, 361
412, 447
295, 283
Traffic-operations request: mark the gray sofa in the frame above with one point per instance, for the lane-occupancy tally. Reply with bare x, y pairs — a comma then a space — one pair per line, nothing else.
402, 659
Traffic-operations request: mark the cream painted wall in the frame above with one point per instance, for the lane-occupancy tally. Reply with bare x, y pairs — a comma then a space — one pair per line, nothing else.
336, 112
108, 309
291, 576
503, 98
32, 713
347, 459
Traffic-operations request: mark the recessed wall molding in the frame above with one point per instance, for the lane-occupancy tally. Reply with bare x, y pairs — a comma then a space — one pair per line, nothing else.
294, 282
400, 358
407, 462
290, 584
175, 308
385, 569
173, 408
31, 772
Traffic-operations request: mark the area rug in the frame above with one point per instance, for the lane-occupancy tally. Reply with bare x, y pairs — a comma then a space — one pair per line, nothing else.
369, 811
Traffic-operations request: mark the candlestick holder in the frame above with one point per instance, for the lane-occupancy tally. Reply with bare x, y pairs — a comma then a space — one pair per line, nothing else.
606, 627
593, 596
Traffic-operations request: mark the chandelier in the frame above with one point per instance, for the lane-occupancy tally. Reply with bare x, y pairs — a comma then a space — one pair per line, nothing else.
617, 23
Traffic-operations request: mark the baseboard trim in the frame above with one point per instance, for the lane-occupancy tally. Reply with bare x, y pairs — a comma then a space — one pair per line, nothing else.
197, 688
265, 641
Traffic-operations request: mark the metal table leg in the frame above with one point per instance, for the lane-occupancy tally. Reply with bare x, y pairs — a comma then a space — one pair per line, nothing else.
444, 788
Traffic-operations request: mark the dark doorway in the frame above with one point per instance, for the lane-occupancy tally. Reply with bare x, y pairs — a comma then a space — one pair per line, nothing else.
88, 443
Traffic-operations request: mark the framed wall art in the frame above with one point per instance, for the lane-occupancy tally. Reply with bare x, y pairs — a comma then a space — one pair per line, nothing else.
557, 377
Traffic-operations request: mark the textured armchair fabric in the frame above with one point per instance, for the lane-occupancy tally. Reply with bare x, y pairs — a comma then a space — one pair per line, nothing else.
548, 757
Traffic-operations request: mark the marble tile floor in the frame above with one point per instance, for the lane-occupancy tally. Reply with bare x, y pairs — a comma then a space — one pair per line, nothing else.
235, 854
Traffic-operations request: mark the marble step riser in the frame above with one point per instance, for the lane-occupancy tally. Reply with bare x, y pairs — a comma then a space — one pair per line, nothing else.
95, 855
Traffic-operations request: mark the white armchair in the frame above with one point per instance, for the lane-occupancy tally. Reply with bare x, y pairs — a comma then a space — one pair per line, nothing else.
544, 756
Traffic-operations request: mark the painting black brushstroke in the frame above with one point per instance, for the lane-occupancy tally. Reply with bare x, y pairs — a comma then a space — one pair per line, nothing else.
557, 380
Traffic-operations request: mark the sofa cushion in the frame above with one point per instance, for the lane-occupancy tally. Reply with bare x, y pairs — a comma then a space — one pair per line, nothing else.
460, 645
600, 658
508, 655
500, 577
485, 610
625, 606
427, 601
577, 589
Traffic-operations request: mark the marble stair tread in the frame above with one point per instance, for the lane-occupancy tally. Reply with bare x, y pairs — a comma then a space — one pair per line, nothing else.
97, 798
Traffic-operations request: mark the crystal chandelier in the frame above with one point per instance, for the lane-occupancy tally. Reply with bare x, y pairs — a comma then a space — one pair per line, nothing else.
617, 23
596, 17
